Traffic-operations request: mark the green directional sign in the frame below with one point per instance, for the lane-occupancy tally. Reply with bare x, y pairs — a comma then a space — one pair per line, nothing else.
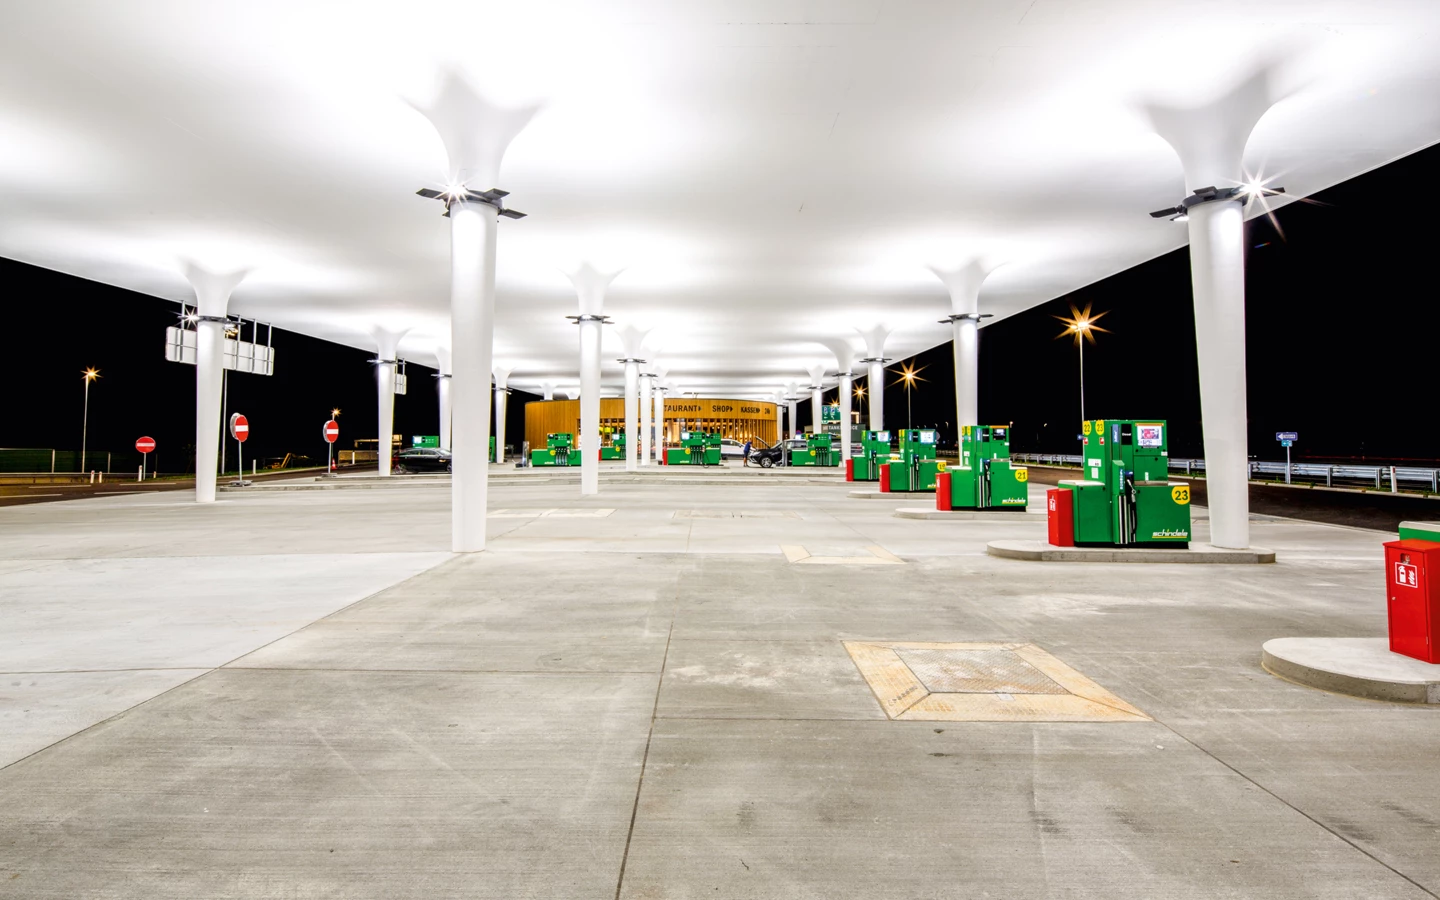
829, 414
425, 440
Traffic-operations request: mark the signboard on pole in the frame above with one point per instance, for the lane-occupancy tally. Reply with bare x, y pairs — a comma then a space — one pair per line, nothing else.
332, 431
240, 431
1287, 439
144, 445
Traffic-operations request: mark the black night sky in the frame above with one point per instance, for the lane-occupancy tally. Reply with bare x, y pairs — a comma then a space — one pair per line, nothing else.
1341, 321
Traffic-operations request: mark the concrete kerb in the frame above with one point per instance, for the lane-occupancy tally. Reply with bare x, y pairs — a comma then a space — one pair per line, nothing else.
1040, 551
967, 515
890, 495
1356, 667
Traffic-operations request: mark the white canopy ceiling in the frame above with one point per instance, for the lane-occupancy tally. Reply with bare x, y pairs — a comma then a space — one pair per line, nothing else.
773, 173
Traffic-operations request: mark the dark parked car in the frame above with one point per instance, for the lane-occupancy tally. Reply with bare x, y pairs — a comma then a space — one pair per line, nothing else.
422, 459
765, 457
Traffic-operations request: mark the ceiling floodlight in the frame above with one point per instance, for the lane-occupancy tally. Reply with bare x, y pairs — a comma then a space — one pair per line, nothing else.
458, 193
1246, 192
962, 317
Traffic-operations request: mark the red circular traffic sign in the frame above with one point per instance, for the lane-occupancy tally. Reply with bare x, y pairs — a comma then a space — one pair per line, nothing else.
332, 431
145, 444
239, 427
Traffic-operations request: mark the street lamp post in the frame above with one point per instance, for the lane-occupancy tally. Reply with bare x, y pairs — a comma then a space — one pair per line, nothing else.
90, 375
908, 376
1082, 326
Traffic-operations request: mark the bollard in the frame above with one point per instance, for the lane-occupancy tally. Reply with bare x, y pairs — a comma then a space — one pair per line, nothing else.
102, 477
92, 476
1394, 488
1329, 473
139, 475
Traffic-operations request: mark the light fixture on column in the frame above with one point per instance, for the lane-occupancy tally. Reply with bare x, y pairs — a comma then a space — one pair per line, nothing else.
1245, 192
459, 193
963, 317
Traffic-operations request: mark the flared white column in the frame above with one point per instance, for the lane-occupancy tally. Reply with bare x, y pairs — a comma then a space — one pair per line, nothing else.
590, 405
501, 375
966, 338
875, 337
779, 416
476, 132
632, 413
645, 409
846, 387
385, 412
472, 336
1217, 270
876, 382
212, 300
817, 398
659, 423
964, 282
1210, 140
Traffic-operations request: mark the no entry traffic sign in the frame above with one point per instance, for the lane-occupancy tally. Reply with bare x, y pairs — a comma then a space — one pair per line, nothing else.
239, 427
145, 444
332, 431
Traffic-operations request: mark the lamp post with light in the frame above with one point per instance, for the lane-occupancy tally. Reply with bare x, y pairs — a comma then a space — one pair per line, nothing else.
1082, 326
908, 376
89, 375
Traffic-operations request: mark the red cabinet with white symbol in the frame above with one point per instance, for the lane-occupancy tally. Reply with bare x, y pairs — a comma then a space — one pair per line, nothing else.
1412, 593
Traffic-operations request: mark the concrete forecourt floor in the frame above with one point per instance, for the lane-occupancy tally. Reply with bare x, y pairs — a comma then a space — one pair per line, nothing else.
301, 694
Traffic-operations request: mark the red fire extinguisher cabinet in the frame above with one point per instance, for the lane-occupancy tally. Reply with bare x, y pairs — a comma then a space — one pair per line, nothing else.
1412, 594
1060, 517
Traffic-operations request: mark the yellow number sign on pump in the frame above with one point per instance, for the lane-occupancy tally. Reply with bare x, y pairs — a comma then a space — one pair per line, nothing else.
1180, 493
1022, 475
1085, 426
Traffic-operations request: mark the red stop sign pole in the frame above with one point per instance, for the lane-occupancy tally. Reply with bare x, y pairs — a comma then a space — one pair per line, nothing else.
145, 445
332, 434
240, 431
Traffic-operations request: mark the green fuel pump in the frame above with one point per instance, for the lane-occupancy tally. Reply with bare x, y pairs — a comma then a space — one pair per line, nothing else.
616, 447
559, 451
818, 452
874, 452
702, 449
917, 467
1126, 496
985, 477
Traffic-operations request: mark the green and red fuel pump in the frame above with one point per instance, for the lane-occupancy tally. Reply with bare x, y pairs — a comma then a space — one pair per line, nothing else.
1126, 497
916, 468
874, 452
984, 477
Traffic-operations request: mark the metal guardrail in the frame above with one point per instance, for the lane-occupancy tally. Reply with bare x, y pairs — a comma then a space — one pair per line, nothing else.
1382, 477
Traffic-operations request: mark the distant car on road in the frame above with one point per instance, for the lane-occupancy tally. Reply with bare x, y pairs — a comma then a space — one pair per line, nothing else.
422, 459
767, 457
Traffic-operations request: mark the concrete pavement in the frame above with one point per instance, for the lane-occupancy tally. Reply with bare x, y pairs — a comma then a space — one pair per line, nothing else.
300, 694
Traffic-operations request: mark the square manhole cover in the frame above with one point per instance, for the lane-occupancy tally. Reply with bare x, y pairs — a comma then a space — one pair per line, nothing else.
977, 672
982, 682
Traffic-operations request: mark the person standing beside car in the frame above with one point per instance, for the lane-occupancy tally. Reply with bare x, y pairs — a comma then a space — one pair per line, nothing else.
745, 453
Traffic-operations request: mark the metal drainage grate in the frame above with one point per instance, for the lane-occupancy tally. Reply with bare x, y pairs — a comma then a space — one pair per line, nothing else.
977, 672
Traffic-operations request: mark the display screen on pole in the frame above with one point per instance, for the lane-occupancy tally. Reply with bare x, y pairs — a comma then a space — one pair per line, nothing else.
927, 437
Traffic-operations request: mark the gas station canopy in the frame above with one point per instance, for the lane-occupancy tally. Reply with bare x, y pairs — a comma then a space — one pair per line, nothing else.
772, 175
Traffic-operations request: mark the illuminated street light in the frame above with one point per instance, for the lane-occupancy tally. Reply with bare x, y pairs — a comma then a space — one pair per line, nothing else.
335, 413
89, 375
1082, 325
908, 376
